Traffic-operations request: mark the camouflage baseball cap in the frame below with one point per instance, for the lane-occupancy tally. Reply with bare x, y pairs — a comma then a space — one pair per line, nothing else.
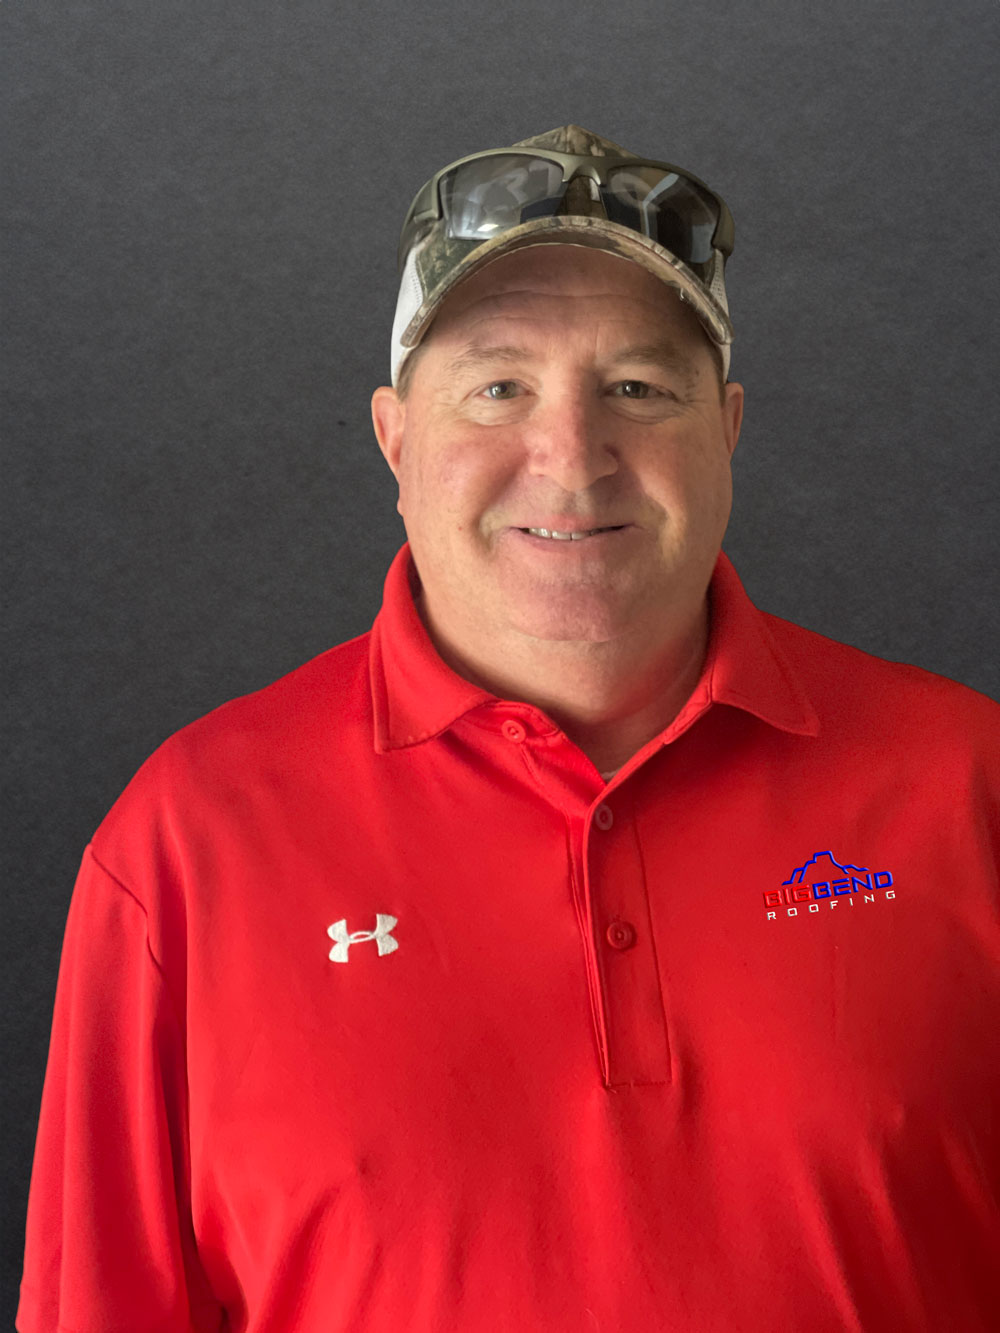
573, 187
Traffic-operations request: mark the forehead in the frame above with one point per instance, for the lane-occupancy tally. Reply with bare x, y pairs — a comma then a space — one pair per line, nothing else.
576, 284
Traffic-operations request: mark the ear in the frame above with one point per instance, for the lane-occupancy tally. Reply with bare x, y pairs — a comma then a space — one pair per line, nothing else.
388, 415
732, 414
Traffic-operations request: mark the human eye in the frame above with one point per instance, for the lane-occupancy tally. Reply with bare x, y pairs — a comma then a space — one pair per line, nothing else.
501, 390
634, 389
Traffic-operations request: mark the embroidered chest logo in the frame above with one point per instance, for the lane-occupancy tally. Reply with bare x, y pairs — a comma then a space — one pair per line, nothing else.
343, 938
805, 893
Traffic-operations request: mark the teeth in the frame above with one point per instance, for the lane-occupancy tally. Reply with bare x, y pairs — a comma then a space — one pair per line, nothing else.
563, 536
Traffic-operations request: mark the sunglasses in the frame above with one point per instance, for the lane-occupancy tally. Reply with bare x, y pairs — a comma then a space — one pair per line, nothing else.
484, 195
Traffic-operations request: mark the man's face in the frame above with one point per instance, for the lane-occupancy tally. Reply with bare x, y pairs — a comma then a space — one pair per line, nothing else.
561, 390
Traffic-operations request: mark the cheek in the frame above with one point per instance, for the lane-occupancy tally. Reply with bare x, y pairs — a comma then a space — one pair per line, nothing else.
715, 490
453, 483
698, 490
718, 478
419, 477
696, 469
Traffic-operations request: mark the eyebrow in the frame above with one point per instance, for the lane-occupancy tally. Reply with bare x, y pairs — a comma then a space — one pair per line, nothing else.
662, 353
474, 356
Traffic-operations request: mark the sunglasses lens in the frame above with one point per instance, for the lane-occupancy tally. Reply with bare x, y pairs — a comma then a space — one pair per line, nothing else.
490, 195
666, 207
493, 194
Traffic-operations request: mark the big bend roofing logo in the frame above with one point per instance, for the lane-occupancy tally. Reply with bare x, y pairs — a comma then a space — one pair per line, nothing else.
842, 887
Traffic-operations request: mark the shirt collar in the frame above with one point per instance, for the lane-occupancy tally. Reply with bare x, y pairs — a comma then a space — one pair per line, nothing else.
744, 665
415, 696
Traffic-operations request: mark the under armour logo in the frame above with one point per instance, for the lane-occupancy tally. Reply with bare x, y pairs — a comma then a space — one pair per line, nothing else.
343, 940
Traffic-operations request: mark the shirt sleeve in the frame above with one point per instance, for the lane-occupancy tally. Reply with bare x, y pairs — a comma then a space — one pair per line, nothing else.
110, 1244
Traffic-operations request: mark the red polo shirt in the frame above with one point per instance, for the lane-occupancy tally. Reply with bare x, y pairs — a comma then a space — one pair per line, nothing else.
380, 1010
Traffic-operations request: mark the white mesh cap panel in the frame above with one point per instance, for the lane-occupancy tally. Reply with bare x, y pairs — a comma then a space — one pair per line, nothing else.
408, 303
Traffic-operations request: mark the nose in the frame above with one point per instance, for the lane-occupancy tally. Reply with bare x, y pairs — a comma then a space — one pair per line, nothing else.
571, 442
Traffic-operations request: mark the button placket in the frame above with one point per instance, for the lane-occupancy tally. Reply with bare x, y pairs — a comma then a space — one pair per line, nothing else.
620, 935
633, 1016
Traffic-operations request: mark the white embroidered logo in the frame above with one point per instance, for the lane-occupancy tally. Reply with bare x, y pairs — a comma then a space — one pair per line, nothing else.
343, 940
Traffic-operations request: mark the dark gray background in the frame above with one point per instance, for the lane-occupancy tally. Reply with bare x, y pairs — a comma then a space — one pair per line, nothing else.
203, 205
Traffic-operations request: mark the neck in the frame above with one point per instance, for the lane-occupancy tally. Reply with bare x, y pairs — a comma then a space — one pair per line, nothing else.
609, 698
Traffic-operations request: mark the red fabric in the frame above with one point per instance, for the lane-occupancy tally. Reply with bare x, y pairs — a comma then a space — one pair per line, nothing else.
712, 1047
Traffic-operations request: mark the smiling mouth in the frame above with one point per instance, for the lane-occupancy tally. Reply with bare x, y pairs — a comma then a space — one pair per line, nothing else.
553, 535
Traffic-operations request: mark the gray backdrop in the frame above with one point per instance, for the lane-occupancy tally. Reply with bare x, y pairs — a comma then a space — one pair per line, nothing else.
203, 205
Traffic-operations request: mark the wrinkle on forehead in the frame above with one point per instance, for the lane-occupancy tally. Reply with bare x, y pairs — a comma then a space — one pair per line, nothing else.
498, 317
570, 279
568, 270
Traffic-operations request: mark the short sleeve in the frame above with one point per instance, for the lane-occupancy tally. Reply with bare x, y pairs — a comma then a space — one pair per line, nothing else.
110, 1244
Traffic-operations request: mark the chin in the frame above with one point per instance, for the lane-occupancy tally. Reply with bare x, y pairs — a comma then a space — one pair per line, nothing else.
581, 621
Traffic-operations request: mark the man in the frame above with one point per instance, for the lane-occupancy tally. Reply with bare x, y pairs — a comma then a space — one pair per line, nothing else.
581, 949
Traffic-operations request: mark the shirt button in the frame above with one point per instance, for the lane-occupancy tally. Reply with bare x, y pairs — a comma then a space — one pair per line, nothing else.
513, 731
603, 817
620, 935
